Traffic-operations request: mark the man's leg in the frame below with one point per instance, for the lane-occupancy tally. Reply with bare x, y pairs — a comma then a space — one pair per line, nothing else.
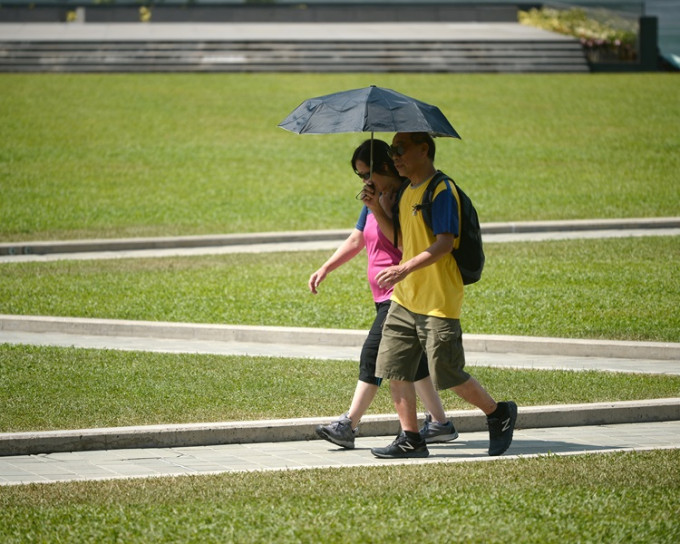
404, 398
447, 362
501, 416
409, 443
398, 355
471, 391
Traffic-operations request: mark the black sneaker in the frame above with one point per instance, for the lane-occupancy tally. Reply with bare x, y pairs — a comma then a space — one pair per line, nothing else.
500, 429
339, 432
434, 431
402, 448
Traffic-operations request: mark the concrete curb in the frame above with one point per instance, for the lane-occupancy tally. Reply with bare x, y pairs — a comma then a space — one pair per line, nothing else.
330, 337
129, 244
202, 434
216, 240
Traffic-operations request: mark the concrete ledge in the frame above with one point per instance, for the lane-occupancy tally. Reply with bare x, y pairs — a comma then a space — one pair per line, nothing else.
572, 347
201, 434
581, 225
183, 331
215, 240
130, 244
331, 337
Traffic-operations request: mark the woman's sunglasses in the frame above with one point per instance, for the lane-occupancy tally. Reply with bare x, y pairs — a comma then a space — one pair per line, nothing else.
363, 175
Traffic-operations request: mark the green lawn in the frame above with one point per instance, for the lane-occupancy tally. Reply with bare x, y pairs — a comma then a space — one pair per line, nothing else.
85, 156
623, 289
47, 388
623, 497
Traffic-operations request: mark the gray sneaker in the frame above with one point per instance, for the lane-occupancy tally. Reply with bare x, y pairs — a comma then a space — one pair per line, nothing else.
434, 431
339, 432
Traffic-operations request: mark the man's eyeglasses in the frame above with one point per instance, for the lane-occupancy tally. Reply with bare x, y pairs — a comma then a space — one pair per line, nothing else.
363, 175
396, 150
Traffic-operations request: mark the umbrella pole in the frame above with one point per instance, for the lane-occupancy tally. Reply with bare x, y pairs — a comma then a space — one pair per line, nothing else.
370, 166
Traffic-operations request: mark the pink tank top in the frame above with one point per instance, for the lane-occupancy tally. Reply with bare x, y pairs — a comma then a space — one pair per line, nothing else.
381, 253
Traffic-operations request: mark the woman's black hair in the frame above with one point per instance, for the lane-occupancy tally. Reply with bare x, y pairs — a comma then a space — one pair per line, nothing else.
382, 162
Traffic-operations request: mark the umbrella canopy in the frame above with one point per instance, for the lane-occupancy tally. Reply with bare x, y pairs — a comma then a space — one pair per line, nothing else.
371, 109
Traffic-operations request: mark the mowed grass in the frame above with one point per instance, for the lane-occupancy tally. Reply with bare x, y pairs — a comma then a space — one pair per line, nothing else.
48, 388
625, 289
87, 156
620, 497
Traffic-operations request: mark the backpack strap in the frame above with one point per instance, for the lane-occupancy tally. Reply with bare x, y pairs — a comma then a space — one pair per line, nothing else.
395, 212
425, 207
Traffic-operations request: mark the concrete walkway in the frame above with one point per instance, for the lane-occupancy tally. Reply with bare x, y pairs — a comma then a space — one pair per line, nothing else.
307, 454
275, 31
126, 248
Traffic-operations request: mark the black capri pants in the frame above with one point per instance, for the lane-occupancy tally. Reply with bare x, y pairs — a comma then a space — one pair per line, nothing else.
369, 352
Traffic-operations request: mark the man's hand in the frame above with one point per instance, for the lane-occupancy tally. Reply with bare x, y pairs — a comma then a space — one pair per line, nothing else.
394, 274
390, 276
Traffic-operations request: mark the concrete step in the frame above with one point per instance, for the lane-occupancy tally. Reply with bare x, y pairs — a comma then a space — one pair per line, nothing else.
296, 429
293, 56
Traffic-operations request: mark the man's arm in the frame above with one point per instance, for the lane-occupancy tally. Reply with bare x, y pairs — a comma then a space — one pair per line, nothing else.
394, 274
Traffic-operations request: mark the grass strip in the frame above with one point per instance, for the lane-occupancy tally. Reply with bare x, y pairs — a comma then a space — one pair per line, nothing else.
623, 289
92, 155
48, 388
620, 497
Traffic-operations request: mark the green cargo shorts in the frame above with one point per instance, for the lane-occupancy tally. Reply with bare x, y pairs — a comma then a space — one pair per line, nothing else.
406, 335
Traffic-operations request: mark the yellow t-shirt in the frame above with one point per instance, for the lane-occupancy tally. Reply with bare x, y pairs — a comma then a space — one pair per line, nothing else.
435, 290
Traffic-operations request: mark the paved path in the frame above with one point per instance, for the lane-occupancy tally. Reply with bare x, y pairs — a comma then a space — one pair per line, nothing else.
126, 248
143, 462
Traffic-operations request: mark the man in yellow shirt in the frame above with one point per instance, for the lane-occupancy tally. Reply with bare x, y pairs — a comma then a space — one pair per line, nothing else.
426, 306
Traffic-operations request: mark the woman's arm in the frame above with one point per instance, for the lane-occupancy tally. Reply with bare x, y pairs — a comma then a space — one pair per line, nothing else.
349, 249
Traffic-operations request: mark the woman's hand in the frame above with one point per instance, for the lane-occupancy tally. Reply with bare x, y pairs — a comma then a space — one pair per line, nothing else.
369, 196
315, 279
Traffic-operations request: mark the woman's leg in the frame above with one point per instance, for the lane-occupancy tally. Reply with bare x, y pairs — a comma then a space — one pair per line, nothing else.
433, 403
368, 384
363, 397
427, 393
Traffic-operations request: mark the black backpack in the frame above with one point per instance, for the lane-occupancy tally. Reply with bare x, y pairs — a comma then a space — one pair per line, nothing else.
470, 253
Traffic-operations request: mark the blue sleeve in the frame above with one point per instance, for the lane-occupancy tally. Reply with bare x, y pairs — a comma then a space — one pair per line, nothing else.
445, 210
361, 222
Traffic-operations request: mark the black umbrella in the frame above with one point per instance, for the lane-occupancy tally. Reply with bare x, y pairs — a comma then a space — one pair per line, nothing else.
373, 109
